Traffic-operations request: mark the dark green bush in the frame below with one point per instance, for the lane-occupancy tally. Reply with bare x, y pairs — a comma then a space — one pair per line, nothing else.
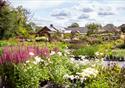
122, 46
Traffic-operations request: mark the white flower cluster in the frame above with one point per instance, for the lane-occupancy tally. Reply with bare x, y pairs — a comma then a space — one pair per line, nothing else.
80, 62
71, 77
53, 53
86, 73
67, 51
98, 53
59, 53
37, 60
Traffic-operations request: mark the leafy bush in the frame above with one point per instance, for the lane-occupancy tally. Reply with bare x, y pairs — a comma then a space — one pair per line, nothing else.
76, 46
111, 77
15, 70
21, 75
67, 36
6, 43
0, 51
115, 55
122, 46
88, 51
58, 68
118, 52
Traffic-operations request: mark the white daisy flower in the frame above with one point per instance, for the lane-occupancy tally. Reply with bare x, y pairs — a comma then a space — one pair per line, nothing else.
52, 53
59, 53
38, 60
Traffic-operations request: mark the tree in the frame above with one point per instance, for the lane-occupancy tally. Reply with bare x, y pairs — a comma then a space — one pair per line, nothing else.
122, 28
13, 22
7, 22
92, 28
73, 25
38, 28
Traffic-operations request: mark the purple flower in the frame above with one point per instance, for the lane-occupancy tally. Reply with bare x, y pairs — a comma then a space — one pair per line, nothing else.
18, 54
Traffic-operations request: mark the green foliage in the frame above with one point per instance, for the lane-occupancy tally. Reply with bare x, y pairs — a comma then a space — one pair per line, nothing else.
28, 76
21, 75
122, 28
88, 51
118, 52
92, 28
122, 46
3, 43
58, 68
76, 46
7, 43
110, 77
7, 22
0, 51
67, 36
60, 45
13, 22
73, 25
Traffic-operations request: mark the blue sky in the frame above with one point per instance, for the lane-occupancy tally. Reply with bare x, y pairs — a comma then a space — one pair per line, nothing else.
65, 12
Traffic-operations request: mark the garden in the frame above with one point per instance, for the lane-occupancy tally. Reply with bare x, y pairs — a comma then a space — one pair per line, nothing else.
90, 61
54, 65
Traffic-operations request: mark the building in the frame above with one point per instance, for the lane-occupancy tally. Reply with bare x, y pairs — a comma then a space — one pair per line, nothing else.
81, 30
49, 31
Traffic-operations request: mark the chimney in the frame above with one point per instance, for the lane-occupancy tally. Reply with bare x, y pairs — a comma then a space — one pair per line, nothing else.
51, 25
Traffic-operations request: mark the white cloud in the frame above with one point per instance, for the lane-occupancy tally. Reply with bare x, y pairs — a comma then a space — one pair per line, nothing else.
81, 11
83, 16
61, 13
85, 13
36, 4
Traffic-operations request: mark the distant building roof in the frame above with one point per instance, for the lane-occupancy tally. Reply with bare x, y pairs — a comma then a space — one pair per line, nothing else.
110, 28
51, 29
75, 29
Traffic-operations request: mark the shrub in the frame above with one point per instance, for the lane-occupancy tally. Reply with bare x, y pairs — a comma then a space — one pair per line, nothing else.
21, 75
118, 52
58, 68
0, 51
76, 46
16, 72
122, 46
88, 51
110, 77
6, 43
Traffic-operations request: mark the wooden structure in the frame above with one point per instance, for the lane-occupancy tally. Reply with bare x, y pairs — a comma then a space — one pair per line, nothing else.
45, 31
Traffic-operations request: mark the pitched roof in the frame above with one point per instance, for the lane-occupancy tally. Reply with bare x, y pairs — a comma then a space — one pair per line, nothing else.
80, 29
110, 28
